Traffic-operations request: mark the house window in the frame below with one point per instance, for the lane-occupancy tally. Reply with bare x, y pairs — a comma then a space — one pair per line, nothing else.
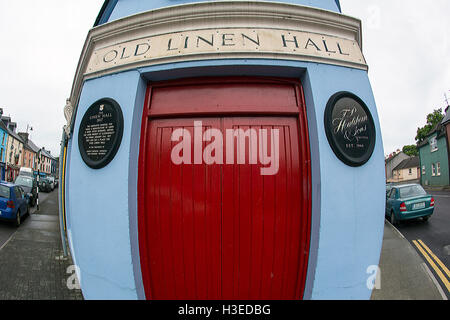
410, 171
438, 169
433, 144
433, 169
424, 170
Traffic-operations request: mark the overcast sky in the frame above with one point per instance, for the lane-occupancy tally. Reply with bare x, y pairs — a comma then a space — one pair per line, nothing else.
41, 42
406, 44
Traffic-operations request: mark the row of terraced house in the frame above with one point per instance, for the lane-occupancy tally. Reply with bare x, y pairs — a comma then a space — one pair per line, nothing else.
431, 167
17, 150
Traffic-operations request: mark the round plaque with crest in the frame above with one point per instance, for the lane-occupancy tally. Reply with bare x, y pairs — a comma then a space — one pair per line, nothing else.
350, 128
100, 133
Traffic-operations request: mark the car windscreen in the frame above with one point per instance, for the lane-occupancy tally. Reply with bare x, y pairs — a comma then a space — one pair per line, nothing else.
24, 181
4, 192
412, 191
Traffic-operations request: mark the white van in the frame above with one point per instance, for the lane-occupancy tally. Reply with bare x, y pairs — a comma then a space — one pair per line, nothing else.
26, 172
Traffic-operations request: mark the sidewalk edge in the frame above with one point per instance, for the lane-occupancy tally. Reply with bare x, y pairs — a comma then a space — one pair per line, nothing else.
424, 265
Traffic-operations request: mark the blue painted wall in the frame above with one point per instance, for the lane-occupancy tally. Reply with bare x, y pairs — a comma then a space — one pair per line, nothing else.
97, 200
3, 141
122, 8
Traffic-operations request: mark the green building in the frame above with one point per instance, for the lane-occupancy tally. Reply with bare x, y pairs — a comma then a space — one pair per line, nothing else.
433, 155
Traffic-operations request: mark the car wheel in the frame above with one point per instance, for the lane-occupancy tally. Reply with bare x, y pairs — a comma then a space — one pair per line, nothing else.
393, 220
18, 220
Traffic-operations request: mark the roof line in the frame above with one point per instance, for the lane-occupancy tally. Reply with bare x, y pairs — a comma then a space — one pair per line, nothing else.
338, 5
105, 12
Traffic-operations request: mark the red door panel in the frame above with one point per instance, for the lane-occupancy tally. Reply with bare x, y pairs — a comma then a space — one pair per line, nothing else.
181, 220
261, 219
224, 230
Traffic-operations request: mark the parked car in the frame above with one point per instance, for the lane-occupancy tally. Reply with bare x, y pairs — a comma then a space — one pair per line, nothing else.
388, 188
29, 186
409, 201
51, 181
44, 185
13, 203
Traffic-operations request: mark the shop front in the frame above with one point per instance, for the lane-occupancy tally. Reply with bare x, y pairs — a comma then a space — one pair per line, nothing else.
12, 171
223, 150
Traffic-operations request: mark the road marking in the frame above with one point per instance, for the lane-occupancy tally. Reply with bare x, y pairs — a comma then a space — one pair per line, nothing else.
443, 267
6, 242
433, 265
436, 283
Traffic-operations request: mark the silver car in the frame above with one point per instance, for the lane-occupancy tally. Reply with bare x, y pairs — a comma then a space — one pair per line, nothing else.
52, 182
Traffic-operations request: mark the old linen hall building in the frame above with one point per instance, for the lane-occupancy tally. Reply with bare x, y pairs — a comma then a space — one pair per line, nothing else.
223, 150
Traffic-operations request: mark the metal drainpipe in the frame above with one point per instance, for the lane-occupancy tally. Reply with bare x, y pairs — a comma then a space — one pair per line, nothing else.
60, 192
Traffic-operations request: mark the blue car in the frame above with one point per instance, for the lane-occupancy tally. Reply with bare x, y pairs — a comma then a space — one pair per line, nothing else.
405, 202
13, 203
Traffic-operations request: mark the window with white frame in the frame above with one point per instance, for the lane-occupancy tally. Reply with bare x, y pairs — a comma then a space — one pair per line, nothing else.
433, 169
433, 144
438, 168
424, 171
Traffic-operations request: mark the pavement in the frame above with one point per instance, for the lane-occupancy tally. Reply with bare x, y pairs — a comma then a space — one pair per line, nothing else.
32, 266
404, 275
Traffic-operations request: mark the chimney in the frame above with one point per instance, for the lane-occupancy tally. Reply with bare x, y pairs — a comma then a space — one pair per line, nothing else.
6, 121
24, 136
12, 126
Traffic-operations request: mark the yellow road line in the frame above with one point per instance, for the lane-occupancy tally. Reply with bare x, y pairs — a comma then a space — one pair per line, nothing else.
62, 184
440, 263
433, 265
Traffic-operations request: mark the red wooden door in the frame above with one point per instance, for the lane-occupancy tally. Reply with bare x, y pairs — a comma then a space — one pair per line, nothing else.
211, 224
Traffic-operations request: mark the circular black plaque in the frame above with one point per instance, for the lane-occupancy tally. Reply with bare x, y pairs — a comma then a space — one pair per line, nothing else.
350, 128
100, 133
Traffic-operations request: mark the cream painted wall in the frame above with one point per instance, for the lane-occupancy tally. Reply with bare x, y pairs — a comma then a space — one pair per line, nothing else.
406, 175
17, 148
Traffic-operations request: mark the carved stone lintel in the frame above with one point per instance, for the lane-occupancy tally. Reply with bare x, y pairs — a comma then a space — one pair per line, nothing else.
68, 113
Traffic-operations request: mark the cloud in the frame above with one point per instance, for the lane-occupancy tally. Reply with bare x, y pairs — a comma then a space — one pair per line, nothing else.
407, 48
41, 45
406, 44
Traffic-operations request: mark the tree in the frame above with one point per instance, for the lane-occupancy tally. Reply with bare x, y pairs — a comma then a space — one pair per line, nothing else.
411, 150
433, 119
